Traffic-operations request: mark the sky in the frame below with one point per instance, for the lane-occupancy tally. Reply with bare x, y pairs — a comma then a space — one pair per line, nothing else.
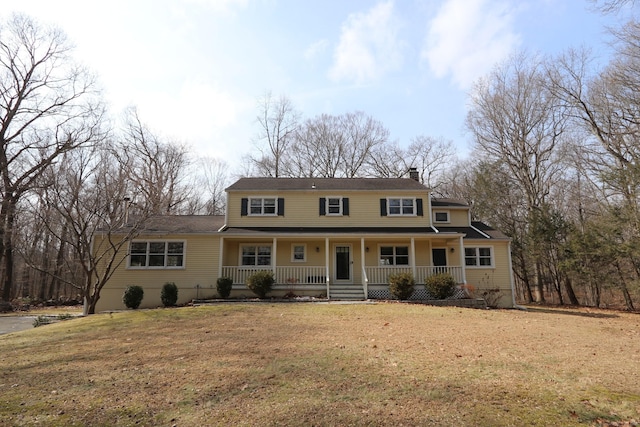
195, 69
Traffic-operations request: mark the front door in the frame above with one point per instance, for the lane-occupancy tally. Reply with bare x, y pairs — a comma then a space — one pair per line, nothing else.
343, 263
439, 256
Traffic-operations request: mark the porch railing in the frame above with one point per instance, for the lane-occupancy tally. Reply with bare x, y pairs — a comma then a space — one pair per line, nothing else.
316, 275
380, 275
285, 275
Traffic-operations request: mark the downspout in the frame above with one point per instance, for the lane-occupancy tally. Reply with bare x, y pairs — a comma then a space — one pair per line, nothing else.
513, 291
220, 257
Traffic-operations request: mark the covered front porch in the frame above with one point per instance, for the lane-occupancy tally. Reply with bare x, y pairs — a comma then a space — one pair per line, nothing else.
341, 267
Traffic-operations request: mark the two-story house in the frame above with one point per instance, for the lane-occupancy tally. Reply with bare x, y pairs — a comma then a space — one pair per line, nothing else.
332, 237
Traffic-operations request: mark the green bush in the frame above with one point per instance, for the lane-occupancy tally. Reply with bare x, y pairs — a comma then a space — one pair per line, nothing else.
401, 285
132, 296
260, 283
223, 286
169, 294
41, 320
440, 286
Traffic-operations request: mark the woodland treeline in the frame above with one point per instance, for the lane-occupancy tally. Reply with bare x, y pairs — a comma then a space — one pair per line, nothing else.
555, 166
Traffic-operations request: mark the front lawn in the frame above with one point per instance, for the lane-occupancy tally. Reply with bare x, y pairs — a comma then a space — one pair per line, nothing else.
324, 364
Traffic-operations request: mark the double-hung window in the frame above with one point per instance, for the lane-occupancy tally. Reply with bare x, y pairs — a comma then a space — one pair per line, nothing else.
478, 257
262, 206
298, 252
402, 206
334, 206
156, 254
394, 255
255, 255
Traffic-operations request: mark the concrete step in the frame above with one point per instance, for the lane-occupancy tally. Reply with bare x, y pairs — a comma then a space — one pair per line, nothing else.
346, 292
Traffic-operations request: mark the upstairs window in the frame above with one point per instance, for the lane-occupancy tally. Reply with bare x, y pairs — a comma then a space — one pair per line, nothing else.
255, 255
262, 206
394, 255
334, 206
478, 257
401, 206
441, 216
156, 254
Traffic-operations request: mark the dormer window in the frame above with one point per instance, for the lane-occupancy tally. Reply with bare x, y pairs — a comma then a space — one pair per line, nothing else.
441, 217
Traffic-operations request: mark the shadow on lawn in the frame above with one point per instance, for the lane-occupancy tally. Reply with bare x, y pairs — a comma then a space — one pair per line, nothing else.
576, 312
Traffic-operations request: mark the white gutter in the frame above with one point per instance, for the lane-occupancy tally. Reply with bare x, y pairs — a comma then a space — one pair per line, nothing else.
483, 233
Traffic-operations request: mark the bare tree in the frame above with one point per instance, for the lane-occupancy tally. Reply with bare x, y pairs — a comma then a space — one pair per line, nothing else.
157, 169
278, 120
89, 194
211, 180
47, 108
516, 120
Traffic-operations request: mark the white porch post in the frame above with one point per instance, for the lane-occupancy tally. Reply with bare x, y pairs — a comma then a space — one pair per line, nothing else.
413, 257
464, 270
362, 265
274, 255
326, 263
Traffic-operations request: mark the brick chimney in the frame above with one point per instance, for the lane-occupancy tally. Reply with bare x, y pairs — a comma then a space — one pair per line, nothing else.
413, 174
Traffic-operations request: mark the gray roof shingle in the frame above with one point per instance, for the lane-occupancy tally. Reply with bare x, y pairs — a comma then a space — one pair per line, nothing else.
291, 184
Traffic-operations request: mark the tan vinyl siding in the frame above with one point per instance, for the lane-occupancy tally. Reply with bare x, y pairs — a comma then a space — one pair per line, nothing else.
201, 268
302, 209
496, 277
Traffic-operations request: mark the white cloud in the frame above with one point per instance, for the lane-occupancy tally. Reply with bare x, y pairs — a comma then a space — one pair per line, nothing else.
369, 46
316, 49
468, 37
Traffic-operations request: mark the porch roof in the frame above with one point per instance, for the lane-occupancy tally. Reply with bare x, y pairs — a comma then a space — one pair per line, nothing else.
341, 231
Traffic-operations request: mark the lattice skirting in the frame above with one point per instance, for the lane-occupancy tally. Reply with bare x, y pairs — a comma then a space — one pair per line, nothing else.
419, 294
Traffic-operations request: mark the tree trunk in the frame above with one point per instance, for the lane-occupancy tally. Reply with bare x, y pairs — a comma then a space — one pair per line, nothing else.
539, 290
568, 287
9, 216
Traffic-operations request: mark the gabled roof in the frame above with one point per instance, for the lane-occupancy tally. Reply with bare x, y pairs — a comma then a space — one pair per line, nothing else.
333, 184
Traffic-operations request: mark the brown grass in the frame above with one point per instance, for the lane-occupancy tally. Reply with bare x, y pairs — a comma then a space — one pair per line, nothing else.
324, 364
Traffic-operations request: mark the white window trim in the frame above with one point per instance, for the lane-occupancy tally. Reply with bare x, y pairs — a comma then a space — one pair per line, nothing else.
166, 254
242, 245
413, 199
304, 246
477, 247
394, 245
326, 202
447, 221
263, 198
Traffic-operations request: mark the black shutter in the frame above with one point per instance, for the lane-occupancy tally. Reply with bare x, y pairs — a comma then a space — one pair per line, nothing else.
345, 206
244, 206
280, 206
323, 206
383, 207
419, 210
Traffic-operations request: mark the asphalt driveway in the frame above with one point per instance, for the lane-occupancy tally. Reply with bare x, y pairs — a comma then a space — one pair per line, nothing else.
10, 324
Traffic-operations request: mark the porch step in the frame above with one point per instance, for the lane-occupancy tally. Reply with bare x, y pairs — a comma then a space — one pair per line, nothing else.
346, 292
